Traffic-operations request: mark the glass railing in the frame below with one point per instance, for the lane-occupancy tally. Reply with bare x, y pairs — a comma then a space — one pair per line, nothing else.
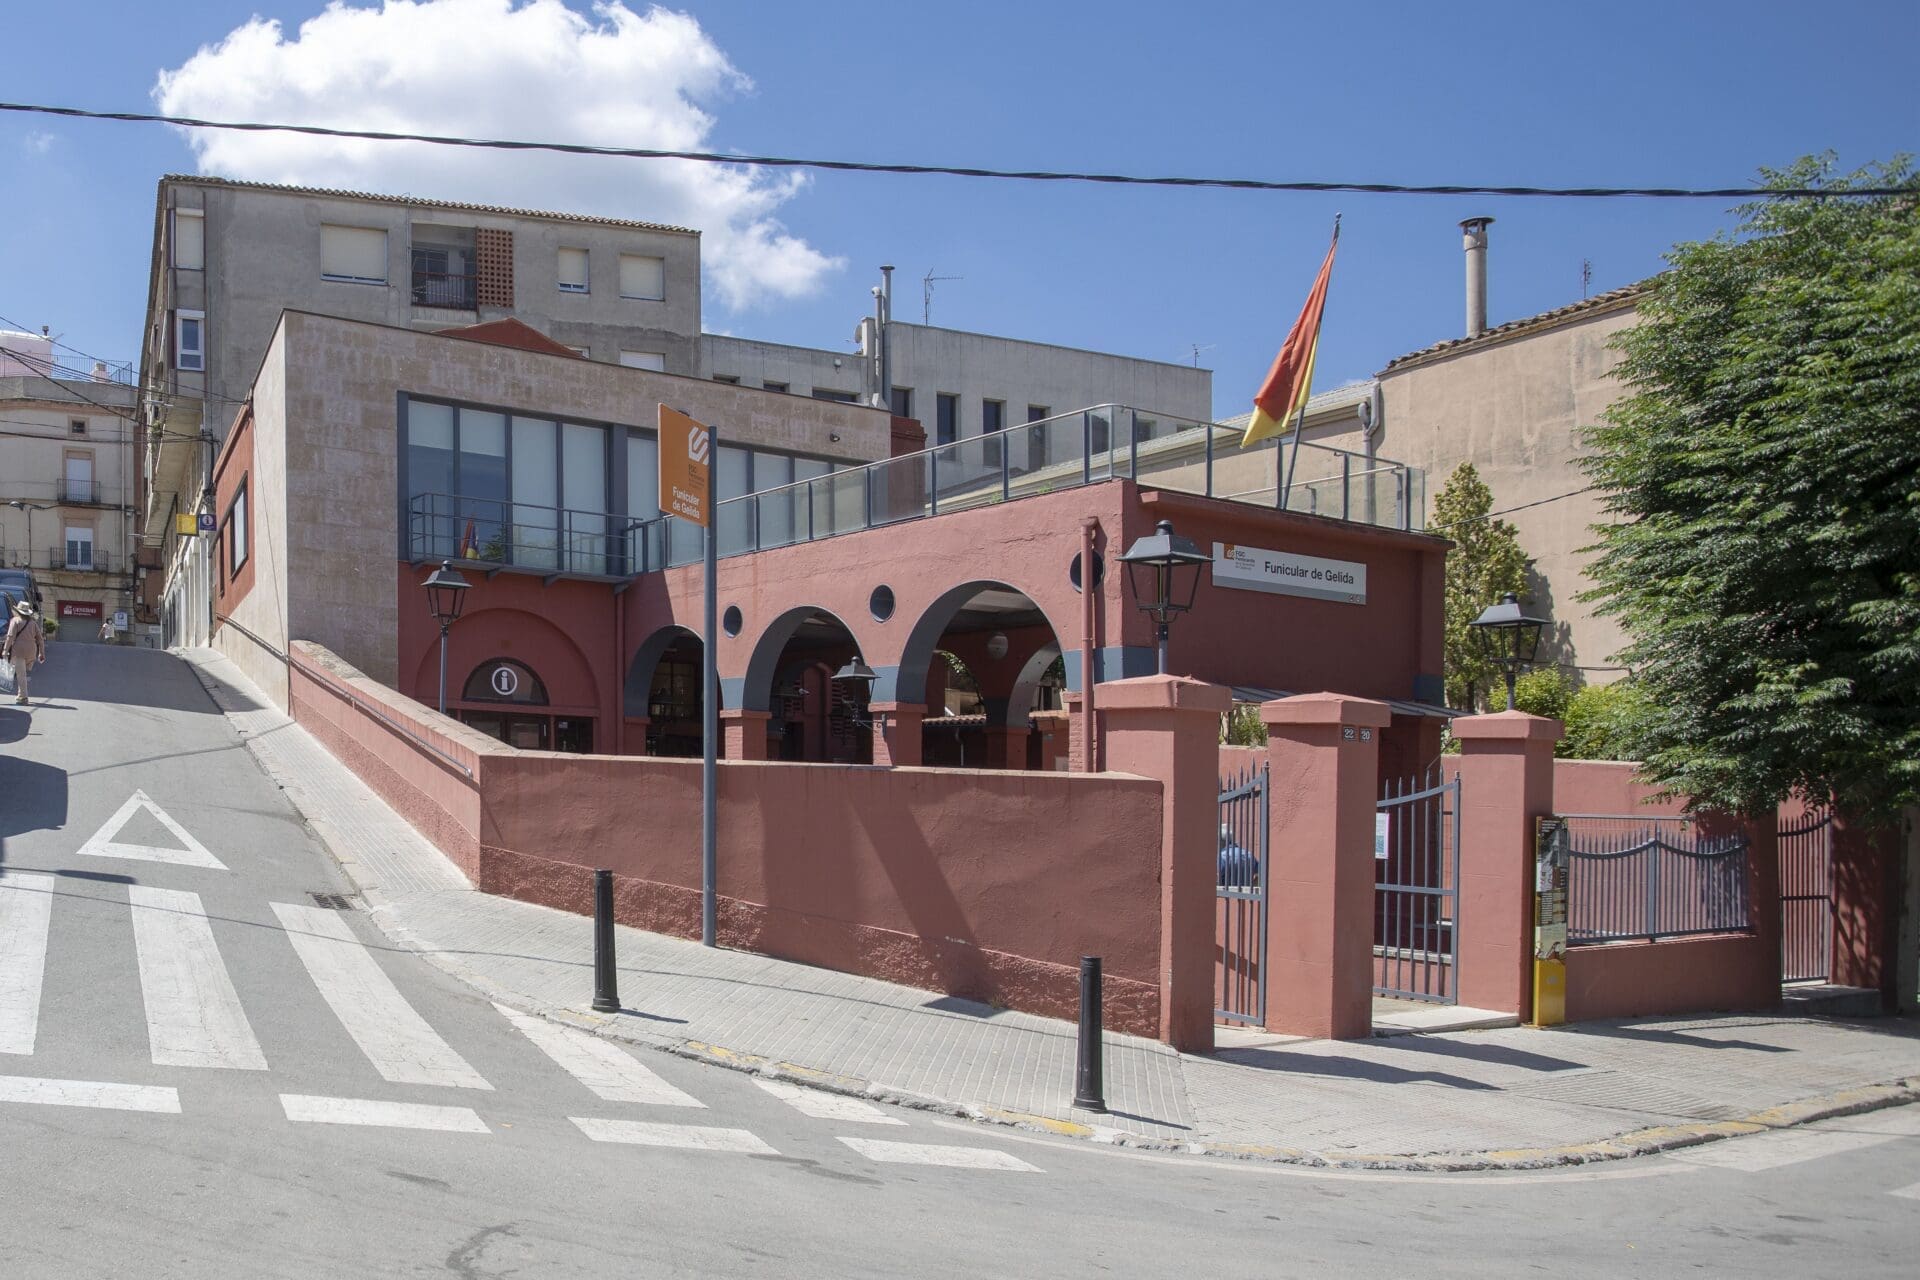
1066, 451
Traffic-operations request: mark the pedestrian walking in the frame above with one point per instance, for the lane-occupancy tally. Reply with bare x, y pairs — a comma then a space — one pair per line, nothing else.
25, 647
106, 630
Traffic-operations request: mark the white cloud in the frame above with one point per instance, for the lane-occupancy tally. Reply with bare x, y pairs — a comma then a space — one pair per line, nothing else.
38, 143
533, 70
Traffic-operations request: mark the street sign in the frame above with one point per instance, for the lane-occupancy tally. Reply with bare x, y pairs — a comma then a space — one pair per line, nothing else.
119, 619
686, 451
185, 525
207, 523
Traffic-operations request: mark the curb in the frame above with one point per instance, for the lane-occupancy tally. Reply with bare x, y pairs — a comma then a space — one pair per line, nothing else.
1651, 1140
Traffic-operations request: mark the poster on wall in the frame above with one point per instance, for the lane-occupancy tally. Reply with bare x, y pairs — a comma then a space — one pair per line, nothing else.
1247, 568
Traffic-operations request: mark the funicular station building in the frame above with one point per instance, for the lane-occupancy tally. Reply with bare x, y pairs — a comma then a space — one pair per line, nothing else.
370, 454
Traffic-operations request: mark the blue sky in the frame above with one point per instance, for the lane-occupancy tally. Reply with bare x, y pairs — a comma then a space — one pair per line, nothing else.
1694, 94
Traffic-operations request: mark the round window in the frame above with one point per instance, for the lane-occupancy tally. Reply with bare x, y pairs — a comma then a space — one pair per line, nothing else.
880, 603
1099, 570
730, 621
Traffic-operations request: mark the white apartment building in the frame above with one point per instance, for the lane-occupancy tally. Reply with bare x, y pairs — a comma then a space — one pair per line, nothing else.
66, 482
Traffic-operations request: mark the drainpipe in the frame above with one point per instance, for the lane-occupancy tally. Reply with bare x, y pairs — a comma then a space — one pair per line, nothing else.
619, 672
1090, 750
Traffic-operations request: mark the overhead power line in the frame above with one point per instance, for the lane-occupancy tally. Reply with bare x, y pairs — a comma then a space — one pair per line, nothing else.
960, 171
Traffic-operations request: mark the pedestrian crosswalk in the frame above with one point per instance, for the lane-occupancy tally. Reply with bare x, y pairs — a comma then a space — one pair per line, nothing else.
196, 1022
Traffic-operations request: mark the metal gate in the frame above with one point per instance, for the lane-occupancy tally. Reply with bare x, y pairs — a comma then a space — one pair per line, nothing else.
1240, 900
1806, 898
1416, 900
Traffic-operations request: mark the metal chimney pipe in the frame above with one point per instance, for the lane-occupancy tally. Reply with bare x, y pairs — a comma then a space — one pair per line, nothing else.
1474, 241
886, 338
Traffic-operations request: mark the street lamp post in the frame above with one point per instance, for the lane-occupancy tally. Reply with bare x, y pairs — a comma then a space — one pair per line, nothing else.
29, 508
446, 591
1164, 570
1507, 637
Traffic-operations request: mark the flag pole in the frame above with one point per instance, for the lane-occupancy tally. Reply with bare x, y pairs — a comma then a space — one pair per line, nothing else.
1300, 421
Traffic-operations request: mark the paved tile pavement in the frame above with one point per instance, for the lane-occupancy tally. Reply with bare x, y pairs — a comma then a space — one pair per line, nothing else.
1417, 1095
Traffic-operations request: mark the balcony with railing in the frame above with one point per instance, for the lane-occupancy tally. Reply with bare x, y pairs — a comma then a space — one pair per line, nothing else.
76, 558
80, 492
1066, 451
452, 290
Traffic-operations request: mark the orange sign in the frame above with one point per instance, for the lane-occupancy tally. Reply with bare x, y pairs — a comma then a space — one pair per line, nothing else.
686, 450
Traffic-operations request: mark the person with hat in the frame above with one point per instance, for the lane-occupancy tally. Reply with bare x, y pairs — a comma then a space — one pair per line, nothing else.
25, 646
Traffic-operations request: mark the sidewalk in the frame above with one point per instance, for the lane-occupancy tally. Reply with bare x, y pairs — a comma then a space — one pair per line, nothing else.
1500, 1098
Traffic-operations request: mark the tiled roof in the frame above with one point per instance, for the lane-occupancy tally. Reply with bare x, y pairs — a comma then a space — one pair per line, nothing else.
512, 332
1609, 301
419, 202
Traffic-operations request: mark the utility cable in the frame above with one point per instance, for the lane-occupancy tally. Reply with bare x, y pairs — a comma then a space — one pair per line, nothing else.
959, 171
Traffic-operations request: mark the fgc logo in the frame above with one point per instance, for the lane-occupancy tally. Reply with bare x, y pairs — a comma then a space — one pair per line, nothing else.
698, 442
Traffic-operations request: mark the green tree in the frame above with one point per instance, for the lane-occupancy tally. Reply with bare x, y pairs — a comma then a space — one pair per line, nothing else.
1764, 470
1485, 563
1544, 691
1599, 721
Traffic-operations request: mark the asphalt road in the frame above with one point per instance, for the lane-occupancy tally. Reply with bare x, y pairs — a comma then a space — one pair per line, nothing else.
199, 1066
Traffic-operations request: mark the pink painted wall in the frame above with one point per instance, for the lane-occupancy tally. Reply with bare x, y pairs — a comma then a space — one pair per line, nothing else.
1609, 787
986, 885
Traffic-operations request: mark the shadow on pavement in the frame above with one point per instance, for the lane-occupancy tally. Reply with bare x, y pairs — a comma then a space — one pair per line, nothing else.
1338, 1068
14, 723
129, 676
1470, 1051
33, 797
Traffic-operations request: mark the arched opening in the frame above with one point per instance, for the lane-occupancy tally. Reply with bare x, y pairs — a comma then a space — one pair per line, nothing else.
814, 714
1009, 653
664, 685
506, 699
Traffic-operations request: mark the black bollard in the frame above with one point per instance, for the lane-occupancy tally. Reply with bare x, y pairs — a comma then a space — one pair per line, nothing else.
606, 986
1089, 1089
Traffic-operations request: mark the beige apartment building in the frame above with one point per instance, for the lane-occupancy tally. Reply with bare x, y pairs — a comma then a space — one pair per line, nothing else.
66, 483
229, 257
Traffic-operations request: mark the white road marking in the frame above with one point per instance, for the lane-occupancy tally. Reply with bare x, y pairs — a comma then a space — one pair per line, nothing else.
194, 1018
827, 1106
398, 1041
26, 909
607, 1069
686, 1136
1909, 1193
103, 845
308, 1109
90, 1093
932, 1153
1762, 1151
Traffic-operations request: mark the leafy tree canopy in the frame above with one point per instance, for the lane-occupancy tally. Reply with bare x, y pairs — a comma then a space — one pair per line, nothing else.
1765, 472
1486, 562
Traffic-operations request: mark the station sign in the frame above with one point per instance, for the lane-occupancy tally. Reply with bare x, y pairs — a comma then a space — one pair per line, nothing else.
686, 453
1245, 568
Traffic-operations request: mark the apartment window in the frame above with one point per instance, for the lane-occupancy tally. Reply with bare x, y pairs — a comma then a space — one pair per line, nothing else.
1035, 412
901, 401
190, 340
355, 255
654, 360
237, 548
775, 386
838, 397
946, 418
189, 240
443, 267
573, 271
78, 426
993, 417
643, 277
79, 547
727, 378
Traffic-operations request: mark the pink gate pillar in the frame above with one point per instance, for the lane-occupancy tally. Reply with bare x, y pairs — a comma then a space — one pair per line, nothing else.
1323, 752
743, 734
1168, 727
896, 732
1506, 782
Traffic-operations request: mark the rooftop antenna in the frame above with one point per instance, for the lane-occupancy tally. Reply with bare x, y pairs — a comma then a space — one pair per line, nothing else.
1586, 276
1197, 349
926, 294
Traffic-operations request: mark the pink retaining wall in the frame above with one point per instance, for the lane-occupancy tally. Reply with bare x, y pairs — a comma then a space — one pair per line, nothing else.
982, 884
1678, 975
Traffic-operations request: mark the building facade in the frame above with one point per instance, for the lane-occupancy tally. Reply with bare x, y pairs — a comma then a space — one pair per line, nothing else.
66, 483
228, 257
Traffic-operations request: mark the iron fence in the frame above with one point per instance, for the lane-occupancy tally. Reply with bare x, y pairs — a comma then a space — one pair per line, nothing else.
1806, 898
1416, 921
453, 290
1637, 878
1240, 898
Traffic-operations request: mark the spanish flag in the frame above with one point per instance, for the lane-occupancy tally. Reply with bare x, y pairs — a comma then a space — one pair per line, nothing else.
1290, 381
